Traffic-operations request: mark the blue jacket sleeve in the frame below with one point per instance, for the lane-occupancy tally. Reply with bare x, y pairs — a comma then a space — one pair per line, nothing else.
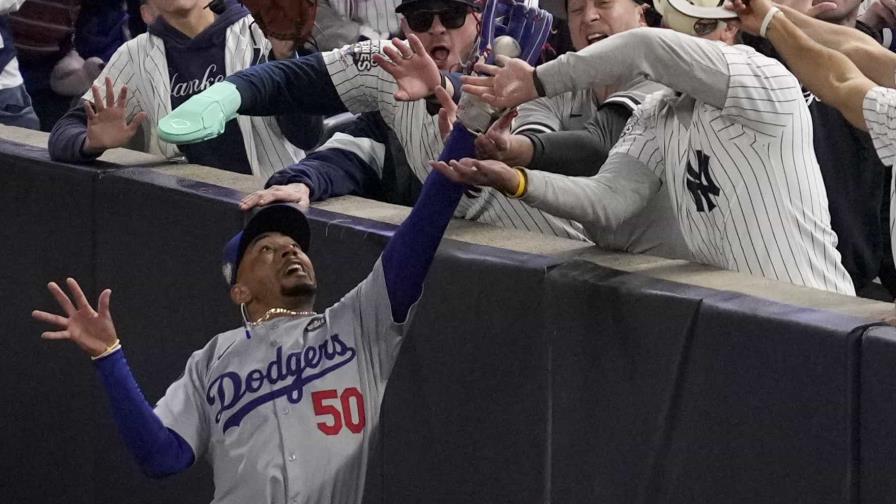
68, 136
342, 165
159, 451
410, 252
294, 85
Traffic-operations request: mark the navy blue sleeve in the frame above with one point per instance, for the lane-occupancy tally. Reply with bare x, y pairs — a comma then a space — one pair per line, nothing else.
329, 173
159, 450
287, 86
68, 136
410, 252
337, 170
302, 130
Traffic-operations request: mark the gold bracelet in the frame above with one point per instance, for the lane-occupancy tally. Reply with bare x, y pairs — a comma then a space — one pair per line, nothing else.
522, 185
109, 350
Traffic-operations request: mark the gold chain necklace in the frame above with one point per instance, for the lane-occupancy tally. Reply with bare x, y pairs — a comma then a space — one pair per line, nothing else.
275, 312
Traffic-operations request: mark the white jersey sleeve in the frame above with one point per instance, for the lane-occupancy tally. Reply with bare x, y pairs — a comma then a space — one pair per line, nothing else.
879, 109
362, 85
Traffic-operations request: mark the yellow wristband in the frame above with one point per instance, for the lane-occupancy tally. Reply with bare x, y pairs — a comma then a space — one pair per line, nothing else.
523, 183
109, 350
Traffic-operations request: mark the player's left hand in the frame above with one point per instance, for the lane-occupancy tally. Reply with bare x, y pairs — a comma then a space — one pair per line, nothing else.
478, 172
502, 87
496, 142
415, 72
296, 193
93, 331
750, 13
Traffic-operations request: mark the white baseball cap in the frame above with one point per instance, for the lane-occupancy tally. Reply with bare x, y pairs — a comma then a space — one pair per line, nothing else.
682, 15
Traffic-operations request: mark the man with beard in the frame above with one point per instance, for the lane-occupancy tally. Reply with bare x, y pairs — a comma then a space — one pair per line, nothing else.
286, 407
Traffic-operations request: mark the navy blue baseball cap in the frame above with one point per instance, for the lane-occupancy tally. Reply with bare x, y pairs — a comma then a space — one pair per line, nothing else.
282, 218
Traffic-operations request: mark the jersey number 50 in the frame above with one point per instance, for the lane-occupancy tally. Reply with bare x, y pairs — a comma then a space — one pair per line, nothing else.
352, 418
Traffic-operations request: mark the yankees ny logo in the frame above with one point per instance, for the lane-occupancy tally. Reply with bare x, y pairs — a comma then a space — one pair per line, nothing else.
701, 185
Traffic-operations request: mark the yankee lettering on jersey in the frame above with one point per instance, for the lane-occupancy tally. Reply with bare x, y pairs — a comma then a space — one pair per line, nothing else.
286, 375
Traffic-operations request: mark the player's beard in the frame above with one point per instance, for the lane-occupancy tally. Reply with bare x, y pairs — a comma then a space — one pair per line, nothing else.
304, 289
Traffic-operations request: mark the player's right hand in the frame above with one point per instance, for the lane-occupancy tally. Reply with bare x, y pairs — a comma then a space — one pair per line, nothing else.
93, 331
107, 124
496, 142
203, 116
297, 193
477, 172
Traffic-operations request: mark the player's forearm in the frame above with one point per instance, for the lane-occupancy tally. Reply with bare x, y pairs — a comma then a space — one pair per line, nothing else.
873, 60
302, 130
685, 63
287, 86
159, 451
603, 201
411, 250
827, 73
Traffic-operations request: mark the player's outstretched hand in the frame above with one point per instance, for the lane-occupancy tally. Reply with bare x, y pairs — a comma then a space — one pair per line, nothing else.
496, 142
107, 122
477, 172
415, 72
502, 87
93, 331
297, 193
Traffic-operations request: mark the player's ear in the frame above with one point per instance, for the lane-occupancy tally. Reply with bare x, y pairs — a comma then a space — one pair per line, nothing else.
642, 15
240, 294
729, 32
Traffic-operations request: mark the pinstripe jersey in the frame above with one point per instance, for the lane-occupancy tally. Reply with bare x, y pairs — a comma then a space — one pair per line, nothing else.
364, 86
142, 66
572, 111
879, 109
741, 173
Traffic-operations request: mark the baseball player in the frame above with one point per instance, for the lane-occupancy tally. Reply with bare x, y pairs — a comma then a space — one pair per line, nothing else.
284, 408
186, 50
15, 102
353, 79
733, 146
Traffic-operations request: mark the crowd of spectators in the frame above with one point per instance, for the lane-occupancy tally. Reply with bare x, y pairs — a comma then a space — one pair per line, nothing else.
600, 149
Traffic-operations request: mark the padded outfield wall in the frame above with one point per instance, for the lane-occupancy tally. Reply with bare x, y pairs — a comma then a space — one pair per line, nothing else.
526, 377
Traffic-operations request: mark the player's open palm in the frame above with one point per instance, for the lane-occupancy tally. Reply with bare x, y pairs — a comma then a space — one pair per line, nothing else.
92, 330
495, 143
107, 122
415, 72
751, 13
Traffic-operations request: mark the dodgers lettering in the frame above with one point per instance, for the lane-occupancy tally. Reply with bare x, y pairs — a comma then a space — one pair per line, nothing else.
229, 388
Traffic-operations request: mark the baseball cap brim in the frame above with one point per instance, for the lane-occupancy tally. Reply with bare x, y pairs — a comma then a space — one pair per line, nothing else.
284, 219
410, 4
701, 12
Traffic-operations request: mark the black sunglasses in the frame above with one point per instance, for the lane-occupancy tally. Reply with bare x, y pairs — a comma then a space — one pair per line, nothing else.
451, 18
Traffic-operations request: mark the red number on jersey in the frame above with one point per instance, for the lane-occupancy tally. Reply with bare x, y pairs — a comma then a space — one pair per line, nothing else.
355, 418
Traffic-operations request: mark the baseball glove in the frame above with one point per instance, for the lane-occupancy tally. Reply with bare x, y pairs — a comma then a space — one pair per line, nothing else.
284, 19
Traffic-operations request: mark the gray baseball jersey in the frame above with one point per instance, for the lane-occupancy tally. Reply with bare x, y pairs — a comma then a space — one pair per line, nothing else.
733, 147
289, 415
573, 110
879, 109
363, 86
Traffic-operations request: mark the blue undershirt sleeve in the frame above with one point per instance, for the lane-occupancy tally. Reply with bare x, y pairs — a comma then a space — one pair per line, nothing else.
159, 451
330, 173
410, 252
287, 86
67, 137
